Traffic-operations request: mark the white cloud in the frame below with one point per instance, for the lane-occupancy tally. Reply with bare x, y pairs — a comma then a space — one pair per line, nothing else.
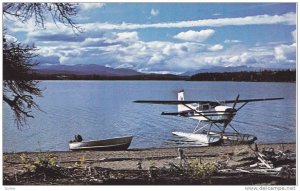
154, 12
196, 36
163, 56
86, 6
231, 41
247, 58
127, 36
171, 49
91, 41
286, 19
156, 59
240, 58
216, 47
217, 14
127, 50
286, 53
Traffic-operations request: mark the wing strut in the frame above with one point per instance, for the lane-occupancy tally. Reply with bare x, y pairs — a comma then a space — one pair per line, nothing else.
242, 106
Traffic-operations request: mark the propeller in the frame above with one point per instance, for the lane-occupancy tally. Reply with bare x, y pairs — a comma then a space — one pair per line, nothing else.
232, 111
236, 100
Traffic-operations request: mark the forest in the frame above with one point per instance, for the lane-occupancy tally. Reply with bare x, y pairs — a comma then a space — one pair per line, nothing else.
262, 76
37, 76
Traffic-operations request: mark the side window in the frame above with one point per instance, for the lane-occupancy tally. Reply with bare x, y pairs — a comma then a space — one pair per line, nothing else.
191, 113
206, 107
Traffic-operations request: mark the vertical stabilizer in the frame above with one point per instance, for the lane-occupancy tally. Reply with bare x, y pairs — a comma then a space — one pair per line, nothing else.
181, 98
181, 95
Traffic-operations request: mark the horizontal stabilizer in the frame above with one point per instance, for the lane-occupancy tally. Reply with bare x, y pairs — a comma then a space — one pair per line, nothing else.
172, 113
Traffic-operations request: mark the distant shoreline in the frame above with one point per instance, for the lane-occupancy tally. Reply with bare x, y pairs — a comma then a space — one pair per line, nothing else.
163, 80
262, 76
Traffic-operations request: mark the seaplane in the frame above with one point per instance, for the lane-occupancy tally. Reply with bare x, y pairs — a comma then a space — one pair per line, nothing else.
212, 115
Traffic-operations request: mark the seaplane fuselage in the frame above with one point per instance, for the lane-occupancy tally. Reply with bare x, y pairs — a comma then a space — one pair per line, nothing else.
221, 114
205, 112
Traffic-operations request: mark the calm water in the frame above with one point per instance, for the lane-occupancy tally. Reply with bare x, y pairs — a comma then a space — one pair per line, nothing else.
104, 109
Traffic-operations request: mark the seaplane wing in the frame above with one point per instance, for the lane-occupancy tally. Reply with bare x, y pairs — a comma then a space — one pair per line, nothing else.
247, 100
206, 111
212, 103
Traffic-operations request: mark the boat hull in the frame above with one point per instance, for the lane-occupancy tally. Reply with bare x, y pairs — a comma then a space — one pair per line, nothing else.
118, 143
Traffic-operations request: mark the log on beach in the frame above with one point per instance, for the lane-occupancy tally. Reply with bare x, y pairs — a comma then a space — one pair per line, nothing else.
223, 164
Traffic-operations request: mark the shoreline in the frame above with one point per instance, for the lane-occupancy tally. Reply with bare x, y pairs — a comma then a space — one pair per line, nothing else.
133, 166
144, 148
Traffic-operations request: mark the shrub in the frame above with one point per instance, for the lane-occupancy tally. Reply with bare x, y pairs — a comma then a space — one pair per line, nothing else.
202, 170
39, 163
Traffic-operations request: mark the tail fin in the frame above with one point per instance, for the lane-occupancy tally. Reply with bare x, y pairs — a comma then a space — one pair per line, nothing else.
181, 95
181, 98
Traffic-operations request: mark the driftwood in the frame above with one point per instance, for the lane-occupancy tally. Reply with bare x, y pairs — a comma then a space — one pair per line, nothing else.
262, 158
139, 158
266, 161
128, 158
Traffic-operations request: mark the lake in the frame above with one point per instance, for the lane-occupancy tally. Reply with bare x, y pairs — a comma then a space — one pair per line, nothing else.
105, 109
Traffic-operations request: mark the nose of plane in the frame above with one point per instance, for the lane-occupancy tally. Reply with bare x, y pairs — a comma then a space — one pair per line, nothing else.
231, 110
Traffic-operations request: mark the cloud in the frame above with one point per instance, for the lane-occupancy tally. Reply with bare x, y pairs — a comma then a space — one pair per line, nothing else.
116, 48
285, 19
86, 6
97, 42
197, 36
126, 50
285, 53
231, 41
216, 14
156, 59
123, 49
57, 37
216, 47
48, 60
154, 12
127, 36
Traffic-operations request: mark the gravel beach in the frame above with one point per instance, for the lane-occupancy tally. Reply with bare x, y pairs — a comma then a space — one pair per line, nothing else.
135, 160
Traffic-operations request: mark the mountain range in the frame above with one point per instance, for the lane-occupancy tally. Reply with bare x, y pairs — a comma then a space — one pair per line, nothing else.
94, 69
222, 69
85, 69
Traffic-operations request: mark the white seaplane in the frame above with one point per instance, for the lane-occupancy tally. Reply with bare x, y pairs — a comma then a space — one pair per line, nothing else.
212, 114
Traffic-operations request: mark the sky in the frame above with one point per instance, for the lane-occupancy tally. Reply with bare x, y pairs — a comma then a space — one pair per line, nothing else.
168, 37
